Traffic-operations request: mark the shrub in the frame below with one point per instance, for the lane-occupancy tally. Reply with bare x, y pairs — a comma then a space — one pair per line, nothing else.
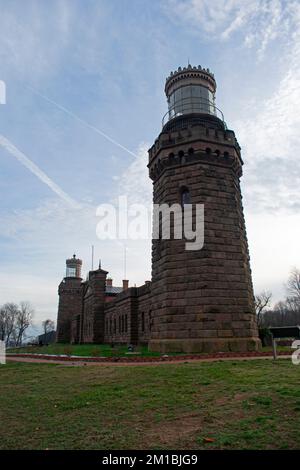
265, 336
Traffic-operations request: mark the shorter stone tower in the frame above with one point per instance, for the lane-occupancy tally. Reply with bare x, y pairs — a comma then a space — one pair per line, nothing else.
70, 299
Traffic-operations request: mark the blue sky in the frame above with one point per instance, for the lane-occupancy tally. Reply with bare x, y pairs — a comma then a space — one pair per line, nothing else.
74, 66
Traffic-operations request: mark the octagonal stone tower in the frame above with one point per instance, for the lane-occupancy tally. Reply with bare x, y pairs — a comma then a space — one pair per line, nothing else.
201, 300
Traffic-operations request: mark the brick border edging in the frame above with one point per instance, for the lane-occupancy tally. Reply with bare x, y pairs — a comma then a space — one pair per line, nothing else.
145, 358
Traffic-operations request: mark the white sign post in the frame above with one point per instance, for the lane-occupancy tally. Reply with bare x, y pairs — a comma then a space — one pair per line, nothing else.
2, 353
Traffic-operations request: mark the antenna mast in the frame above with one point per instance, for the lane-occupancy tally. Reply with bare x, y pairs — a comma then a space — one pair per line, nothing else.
125, 253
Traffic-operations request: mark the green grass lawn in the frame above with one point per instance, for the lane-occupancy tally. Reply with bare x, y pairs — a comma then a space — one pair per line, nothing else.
83, 350
237, 405
99, 350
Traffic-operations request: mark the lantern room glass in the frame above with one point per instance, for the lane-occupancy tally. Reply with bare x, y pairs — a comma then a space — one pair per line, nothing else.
191, 99
71, 272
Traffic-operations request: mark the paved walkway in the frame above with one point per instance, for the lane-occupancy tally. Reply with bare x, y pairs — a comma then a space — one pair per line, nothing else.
81, 363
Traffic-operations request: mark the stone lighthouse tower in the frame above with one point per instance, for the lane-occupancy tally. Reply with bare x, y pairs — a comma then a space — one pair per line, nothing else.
202, 300
70, 299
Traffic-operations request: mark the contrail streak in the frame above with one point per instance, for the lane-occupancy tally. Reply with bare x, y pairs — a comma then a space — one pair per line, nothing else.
90, 126
21, 157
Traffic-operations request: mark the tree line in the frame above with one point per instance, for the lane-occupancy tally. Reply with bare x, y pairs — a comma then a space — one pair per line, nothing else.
15, 319
284, 313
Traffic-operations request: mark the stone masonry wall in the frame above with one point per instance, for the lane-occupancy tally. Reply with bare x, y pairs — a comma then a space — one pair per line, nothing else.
123, 316
93, 308
202, 300
70, 304
144, 316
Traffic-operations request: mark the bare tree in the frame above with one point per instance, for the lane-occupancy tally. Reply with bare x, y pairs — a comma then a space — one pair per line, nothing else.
284, 313
262, 301
48, 325
8, 317
23, 320
293, 304
2, 323
293, 284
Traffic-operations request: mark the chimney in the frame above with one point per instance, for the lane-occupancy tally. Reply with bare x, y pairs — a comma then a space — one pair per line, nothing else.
109, 282
125, 284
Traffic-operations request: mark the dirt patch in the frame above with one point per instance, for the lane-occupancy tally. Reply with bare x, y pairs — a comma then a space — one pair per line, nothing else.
168, 432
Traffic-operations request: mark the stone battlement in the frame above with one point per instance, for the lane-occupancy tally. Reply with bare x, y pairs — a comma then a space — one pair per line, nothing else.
192, 134
190, 72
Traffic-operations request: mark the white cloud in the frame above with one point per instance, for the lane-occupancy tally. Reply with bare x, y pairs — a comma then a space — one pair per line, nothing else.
135, 182
270, 138
29, 45
259, 21
38, 41
211, 16
274, 249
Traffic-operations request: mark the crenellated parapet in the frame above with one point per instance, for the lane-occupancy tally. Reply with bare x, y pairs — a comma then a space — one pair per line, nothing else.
190, 74
194, 144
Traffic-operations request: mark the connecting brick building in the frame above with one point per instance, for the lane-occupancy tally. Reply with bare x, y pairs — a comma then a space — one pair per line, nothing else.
198, 300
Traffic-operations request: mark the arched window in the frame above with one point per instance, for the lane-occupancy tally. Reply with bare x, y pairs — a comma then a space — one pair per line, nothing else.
171, 158
185, 197
181, 157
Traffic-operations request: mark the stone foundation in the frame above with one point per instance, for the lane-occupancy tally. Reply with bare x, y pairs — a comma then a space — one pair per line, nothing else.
205, 345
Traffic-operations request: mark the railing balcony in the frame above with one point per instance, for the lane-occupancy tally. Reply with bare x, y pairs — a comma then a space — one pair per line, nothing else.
192, 105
